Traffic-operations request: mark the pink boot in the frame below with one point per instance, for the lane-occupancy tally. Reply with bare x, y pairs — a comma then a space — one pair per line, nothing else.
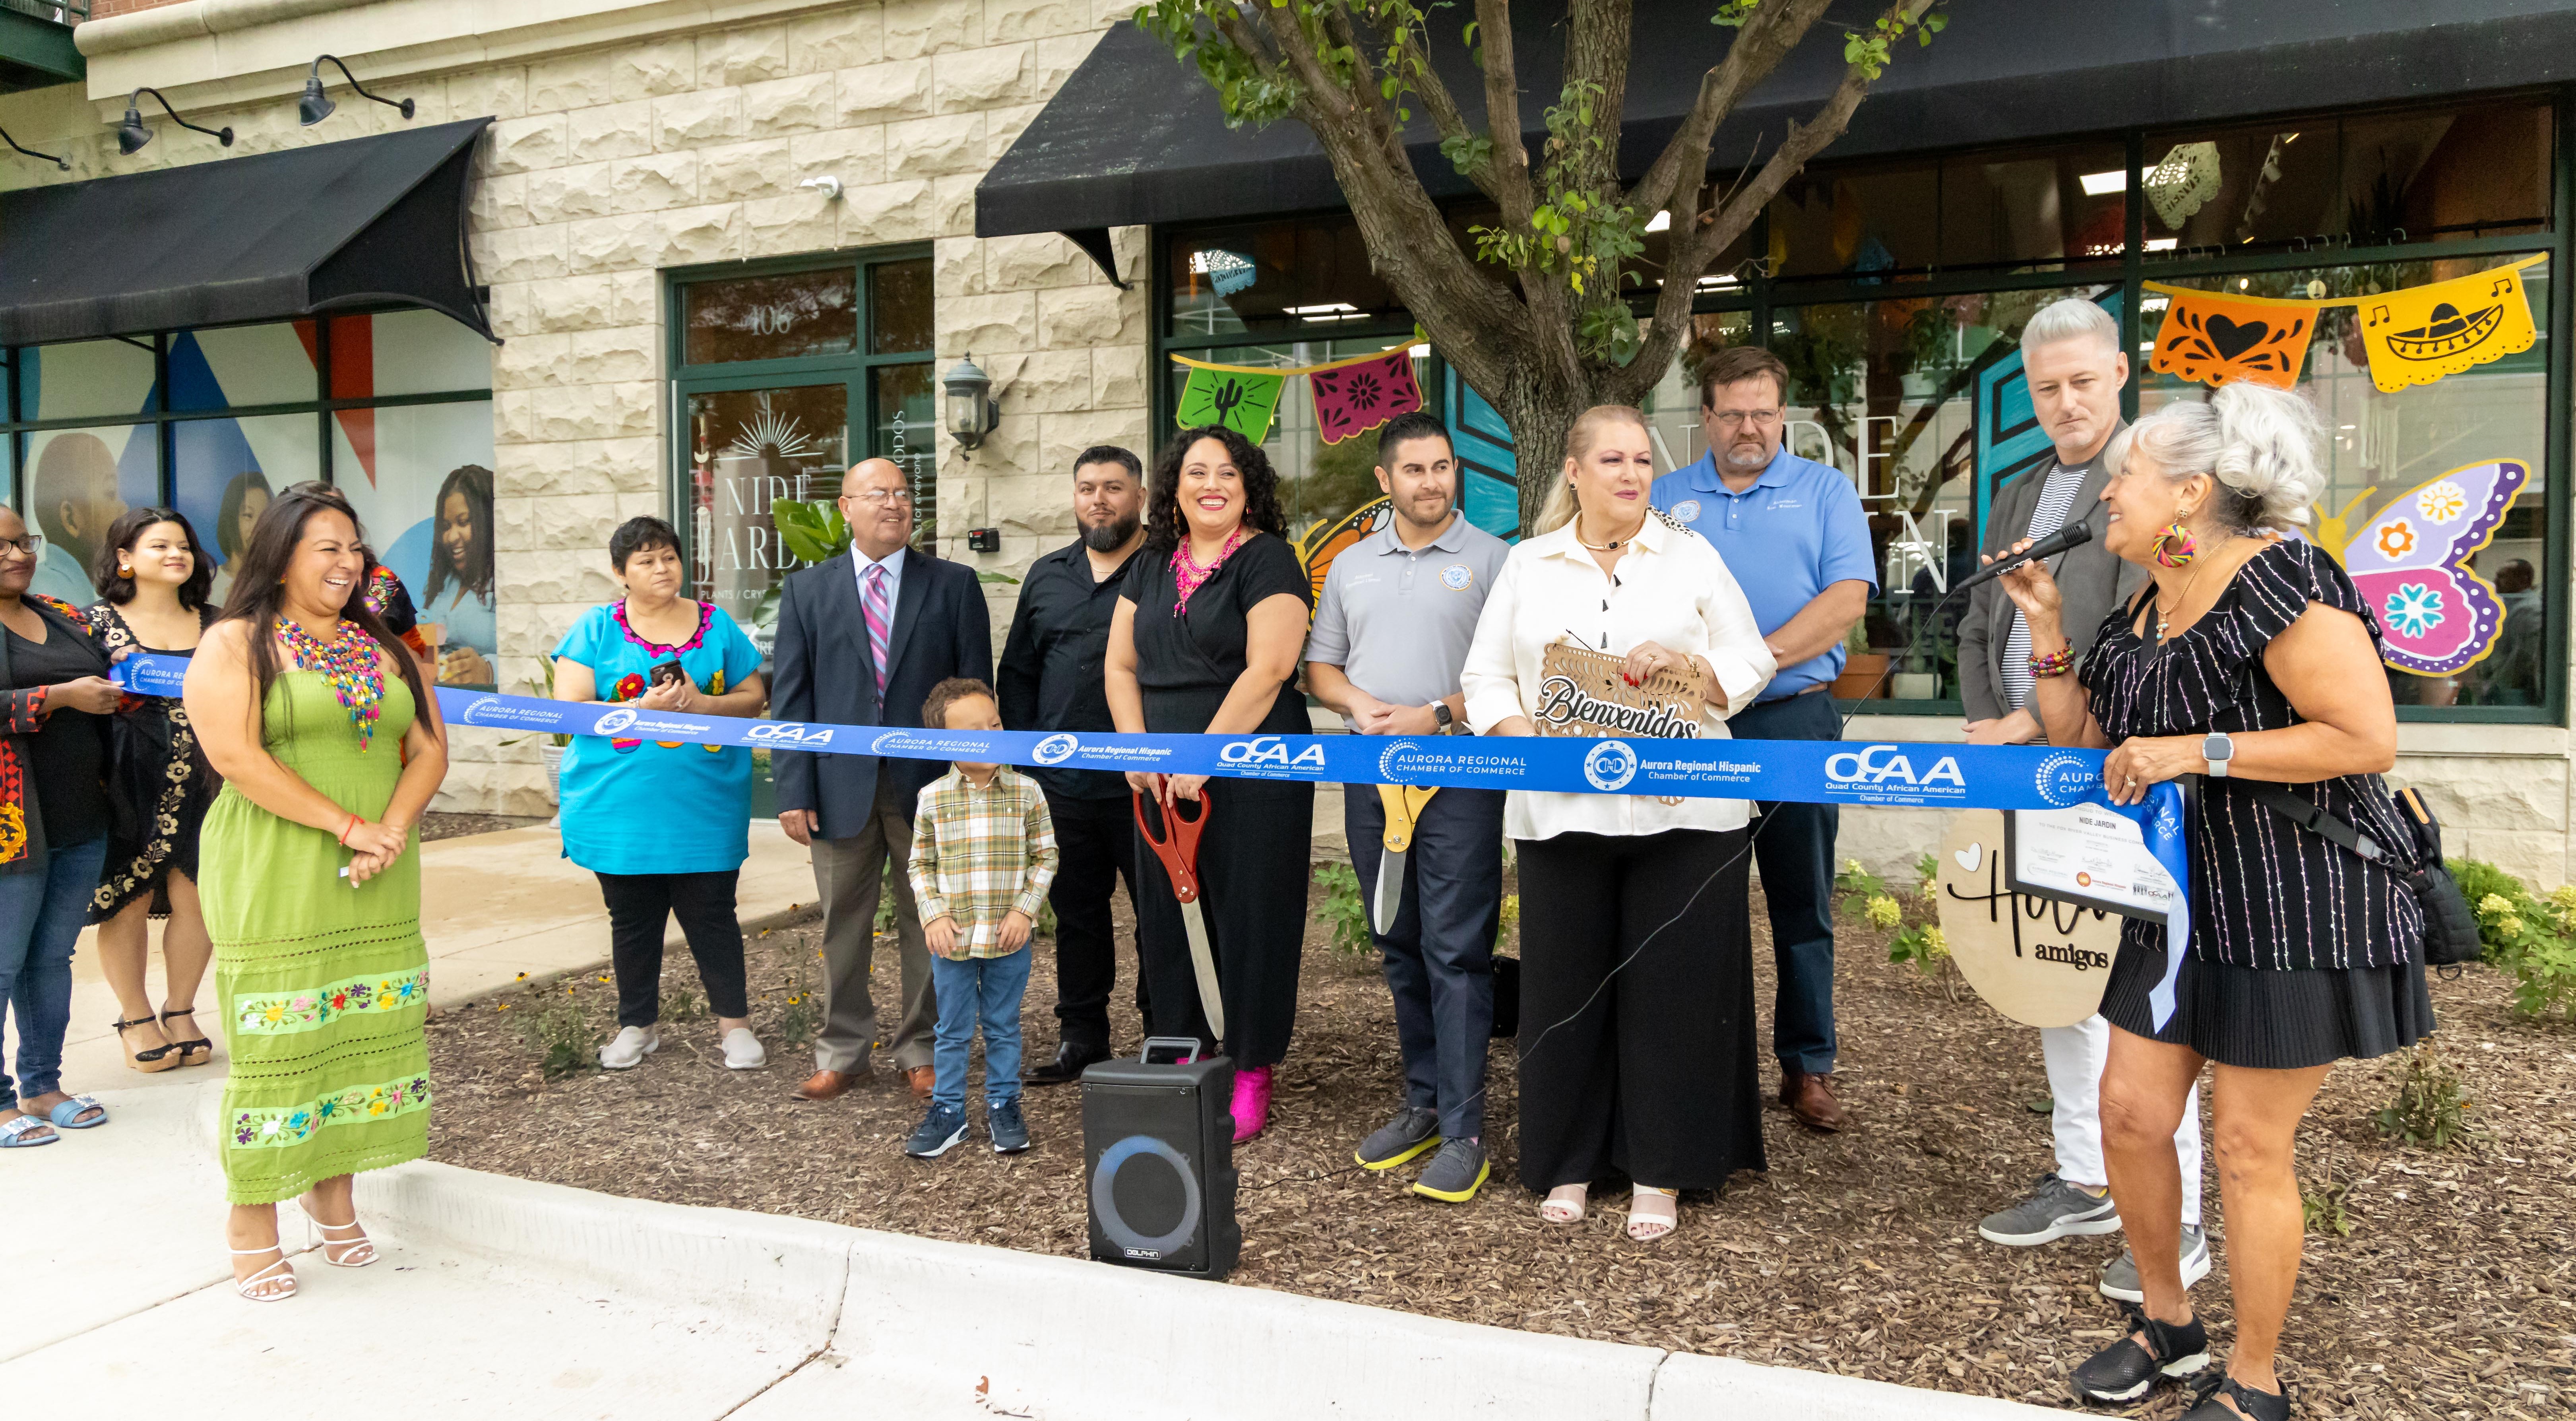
1251, 1103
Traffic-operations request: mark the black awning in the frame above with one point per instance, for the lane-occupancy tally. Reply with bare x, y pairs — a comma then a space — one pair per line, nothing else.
364, 222
1136, 137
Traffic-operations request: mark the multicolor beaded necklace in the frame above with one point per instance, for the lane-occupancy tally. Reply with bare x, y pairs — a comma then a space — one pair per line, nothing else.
348, 662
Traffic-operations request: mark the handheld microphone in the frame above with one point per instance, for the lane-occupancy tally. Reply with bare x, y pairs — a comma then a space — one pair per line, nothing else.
2073, 535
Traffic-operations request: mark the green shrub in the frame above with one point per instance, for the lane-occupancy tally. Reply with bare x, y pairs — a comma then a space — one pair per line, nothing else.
561, 1036
681, 1004
2533, 938
1342, 909
798, 1012
2429, 1110
1860, 885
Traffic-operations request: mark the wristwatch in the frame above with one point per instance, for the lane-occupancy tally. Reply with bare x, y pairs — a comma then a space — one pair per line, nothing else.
2217, 750
1440, 715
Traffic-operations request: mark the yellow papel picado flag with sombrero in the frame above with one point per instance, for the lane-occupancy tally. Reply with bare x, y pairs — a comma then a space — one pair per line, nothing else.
2418, 335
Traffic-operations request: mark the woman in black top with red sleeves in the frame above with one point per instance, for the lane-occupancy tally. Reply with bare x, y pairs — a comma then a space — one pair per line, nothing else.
1206, 639
2251, 663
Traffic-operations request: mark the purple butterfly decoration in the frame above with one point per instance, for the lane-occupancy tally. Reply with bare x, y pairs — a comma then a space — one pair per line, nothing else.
2411, 562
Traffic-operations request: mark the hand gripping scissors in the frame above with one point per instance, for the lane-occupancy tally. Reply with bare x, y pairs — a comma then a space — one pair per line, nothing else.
1178, 848
1403, 805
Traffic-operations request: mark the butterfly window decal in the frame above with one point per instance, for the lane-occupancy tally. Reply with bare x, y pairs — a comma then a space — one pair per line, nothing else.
2436, 615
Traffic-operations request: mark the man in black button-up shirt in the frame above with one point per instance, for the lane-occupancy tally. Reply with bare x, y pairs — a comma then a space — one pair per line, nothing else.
1050, 678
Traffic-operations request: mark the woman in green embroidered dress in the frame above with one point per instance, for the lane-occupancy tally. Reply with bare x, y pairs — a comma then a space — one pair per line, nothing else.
318, 719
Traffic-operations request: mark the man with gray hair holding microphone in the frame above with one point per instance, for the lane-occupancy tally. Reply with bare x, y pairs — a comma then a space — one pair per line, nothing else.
2072, 357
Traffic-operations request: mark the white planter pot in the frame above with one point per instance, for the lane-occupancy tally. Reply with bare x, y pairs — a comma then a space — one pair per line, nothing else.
554, 774
1916, 685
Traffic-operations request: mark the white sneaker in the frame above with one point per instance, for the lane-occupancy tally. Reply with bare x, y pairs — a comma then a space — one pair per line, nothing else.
629, 1047
743, 1051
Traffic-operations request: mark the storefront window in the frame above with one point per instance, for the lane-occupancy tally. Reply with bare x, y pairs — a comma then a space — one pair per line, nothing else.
1967, 212
226, 470
748, 449
1318, 482
2424, 176
782, 317
91, 379
2382, 447
423, 486
78, 481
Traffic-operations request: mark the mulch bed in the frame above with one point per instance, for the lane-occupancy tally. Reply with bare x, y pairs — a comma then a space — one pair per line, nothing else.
436, 826
2454, 1295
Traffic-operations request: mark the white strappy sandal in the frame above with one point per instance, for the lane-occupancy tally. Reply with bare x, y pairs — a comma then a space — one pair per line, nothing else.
259, 1287
1649, 1228
1562, 1207
353, 1252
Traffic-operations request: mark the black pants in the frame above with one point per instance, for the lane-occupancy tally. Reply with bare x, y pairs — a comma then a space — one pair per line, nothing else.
1253, 869
1095, 843
639, 907
1439, 952
1652, 1076
1794, 844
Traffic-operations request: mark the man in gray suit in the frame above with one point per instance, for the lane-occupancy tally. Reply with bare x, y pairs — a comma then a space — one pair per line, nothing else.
2072, 356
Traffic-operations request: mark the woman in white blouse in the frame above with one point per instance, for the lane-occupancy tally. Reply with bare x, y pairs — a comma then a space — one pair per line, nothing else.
1637, 969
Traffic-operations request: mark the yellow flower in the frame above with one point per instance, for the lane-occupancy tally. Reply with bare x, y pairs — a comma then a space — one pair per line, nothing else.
2509, 926
1931, 890
1884, 912
276, 1012
1934, 944
2564, 897
2494, 906
1851, 865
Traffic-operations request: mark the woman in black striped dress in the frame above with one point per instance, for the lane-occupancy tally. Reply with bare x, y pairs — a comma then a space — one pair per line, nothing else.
2252, 664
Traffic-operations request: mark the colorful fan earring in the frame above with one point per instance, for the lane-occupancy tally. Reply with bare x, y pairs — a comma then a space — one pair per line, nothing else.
2175, 546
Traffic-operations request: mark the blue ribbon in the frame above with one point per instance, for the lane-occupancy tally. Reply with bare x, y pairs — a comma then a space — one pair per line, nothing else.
143, 674
1885, 774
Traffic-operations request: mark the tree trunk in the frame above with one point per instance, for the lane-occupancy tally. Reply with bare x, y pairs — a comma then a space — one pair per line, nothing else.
1540, 417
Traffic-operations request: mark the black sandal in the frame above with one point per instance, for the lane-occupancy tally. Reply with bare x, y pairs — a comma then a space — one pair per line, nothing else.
149, 1062
2128, 1368
2251, 1405
194, 1052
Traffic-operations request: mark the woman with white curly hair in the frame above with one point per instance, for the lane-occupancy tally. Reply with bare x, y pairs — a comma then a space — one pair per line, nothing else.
2249, 660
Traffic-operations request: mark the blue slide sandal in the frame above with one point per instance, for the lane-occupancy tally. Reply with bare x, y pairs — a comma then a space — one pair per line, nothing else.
13, 1133
66, 1116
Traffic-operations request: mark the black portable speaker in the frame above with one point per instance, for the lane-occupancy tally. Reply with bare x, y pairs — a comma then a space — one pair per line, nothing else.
1158, 1161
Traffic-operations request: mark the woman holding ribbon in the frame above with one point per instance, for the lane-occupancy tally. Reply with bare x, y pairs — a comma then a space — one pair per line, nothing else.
55, 817
321, 723
664, 825
2251, 661
1637, 965
152, 579
1205, 640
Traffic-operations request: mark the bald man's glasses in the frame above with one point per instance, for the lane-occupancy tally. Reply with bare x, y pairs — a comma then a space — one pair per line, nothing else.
879, 497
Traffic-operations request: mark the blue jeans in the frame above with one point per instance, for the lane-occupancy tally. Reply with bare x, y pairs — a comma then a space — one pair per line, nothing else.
972, 991
1794, 846
42, 909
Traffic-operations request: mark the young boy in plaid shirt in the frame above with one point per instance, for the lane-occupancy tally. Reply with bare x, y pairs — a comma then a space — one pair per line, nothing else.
983, 853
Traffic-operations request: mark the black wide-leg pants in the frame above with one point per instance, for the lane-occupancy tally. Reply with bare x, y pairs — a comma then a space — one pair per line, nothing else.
1651, 1075
1253, 869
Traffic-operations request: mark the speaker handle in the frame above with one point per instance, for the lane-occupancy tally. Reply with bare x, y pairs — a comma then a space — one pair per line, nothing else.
1188, 1044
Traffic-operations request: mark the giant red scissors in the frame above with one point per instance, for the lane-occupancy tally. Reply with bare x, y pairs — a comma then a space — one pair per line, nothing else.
1178, 847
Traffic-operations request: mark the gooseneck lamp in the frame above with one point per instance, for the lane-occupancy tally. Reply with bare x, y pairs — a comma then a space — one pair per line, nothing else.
63, 163
131, 135
313, 107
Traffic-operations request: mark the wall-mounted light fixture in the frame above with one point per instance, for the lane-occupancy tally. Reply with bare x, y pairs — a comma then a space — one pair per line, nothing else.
972, 412
313, 107
131, 135
63, 163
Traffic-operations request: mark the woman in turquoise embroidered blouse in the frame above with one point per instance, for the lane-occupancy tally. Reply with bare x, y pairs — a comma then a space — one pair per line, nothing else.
664, 825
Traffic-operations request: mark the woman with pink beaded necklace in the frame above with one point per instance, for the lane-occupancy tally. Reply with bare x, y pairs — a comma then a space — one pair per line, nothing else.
1206, 640
321, 723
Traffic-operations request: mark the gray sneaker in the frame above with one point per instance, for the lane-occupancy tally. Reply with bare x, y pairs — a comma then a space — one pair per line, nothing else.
2055, 1210
2120, 1280
1455, 1174
1408, 1134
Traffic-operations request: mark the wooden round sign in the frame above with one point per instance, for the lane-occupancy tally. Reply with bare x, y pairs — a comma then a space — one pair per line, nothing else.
2036, 960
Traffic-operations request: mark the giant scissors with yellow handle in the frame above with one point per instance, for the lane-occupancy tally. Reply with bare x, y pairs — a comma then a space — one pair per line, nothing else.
1403, 808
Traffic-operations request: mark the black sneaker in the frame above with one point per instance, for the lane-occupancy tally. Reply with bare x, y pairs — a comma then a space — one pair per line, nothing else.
940, 1131
1408, 1134
1455, 1174
1010, 1133
2251, 1405
2126, 1369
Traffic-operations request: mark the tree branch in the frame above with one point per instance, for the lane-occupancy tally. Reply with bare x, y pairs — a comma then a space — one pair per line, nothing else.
1503, 111
1775, 28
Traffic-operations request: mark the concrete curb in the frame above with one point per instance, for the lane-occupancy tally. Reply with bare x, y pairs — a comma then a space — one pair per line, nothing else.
1060, 1338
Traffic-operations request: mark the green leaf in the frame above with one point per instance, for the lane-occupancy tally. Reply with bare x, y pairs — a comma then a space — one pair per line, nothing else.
812, 531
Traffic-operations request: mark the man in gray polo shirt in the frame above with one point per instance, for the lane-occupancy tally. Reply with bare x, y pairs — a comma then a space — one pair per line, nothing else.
1391, 631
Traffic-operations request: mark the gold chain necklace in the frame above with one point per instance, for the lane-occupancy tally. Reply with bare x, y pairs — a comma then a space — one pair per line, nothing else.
1612, 546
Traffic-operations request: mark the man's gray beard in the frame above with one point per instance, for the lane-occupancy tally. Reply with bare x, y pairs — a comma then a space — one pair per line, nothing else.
1734, 463
1110, 537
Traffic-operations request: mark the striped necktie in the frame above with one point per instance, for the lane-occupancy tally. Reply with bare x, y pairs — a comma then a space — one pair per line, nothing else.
880, 614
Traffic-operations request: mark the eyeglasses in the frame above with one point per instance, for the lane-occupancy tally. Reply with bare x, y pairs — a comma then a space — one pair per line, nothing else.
1736, 419
30, 546
879, 497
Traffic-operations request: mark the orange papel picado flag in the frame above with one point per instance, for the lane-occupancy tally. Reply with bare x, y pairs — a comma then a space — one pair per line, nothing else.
2418, 335
2212, 338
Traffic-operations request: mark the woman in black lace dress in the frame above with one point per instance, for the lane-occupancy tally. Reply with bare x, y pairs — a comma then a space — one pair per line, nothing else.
2250, 664
153, 580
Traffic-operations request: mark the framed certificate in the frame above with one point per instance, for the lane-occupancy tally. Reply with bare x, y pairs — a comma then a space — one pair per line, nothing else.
2091, 855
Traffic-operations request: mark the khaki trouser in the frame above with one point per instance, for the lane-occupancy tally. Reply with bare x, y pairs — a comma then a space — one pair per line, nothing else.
847, 873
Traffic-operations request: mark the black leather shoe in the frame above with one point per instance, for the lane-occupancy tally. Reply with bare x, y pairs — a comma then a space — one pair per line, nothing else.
1071, 1060
2125, 1370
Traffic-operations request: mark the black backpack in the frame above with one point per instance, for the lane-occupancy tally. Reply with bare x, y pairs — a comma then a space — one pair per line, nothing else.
2450, 929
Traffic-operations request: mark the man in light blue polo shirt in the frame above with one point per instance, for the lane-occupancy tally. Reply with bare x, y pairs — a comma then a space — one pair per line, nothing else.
1792, 532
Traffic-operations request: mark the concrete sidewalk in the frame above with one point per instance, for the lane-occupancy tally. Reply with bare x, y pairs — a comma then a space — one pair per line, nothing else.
492, 906
501, 1297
